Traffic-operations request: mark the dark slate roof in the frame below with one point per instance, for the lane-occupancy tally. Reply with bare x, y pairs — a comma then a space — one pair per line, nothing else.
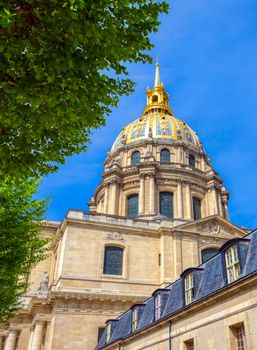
209, 278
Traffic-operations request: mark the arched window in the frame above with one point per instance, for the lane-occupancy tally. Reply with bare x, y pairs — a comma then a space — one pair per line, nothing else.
197, 208
208, 253
191, 160
165, 155
157, 306
166, 204
155, 98
113, 260
132, 204
232, 263
135, 158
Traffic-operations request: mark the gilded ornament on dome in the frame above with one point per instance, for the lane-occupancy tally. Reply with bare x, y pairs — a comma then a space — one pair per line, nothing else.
138, 130
164, 126
179, 135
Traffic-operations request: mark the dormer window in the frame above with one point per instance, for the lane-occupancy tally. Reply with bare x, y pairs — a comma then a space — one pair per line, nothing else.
189, 288
134, 323
157, 307
232, 263
108, 332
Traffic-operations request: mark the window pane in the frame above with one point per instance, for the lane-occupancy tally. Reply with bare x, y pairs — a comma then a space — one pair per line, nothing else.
191, 160
208, 254
133, 206
135, 158
157, 306
197, 208
232, 264
240, 341
134, 319
189, 288
166, 204
165, 156
108, 332
113, 257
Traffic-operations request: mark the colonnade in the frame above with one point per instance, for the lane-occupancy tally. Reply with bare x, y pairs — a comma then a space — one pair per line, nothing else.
212, 203
9, 342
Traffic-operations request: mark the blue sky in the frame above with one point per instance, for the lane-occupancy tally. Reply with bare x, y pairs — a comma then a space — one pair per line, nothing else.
208, 56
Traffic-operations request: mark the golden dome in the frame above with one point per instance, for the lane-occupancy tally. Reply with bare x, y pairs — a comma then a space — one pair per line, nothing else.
157, 122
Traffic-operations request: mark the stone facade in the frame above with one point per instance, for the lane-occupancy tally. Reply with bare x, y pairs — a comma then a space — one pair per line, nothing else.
70, 297
219, 314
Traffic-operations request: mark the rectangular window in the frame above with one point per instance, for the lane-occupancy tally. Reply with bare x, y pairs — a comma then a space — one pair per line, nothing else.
197, 208
132, 203
113, 259
189, 345
166, 204
134, 319
189, 288
238, 337
232, 264
108, 332
157, 307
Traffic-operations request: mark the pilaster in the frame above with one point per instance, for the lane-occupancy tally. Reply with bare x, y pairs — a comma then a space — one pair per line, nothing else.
113, 205
179, 199
141, 207
152, 194
177, 252
106, 198
188, 204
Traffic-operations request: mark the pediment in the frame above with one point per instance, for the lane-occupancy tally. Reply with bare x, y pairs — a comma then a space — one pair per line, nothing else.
214, 226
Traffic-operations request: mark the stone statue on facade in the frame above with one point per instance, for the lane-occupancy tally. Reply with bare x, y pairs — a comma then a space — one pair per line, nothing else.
43, 287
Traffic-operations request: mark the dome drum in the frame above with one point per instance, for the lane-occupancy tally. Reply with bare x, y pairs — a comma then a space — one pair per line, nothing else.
157, 166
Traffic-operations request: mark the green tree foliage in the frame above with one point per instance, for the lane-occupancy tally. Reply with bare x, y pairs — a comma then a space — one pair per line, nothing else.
20, 246
62, 67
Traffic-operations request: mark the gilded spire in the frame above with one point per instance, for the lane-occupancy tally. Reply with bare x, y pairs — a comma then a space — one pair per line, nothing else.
157, 99
157, 74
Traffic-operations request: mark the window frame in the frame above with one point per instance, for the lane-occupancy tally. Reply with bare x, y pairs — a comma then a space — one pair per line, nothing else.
191, 160
232, 263
137, 161
122, 249
163, 161
157, 306
134, 319
238, 341
189, 288
127, 200
171, 204
108, 332
194, 200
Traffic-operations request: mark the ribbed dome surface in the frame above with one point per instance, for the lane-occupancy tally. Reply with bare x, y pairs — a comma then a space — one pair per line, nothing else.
160, 127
